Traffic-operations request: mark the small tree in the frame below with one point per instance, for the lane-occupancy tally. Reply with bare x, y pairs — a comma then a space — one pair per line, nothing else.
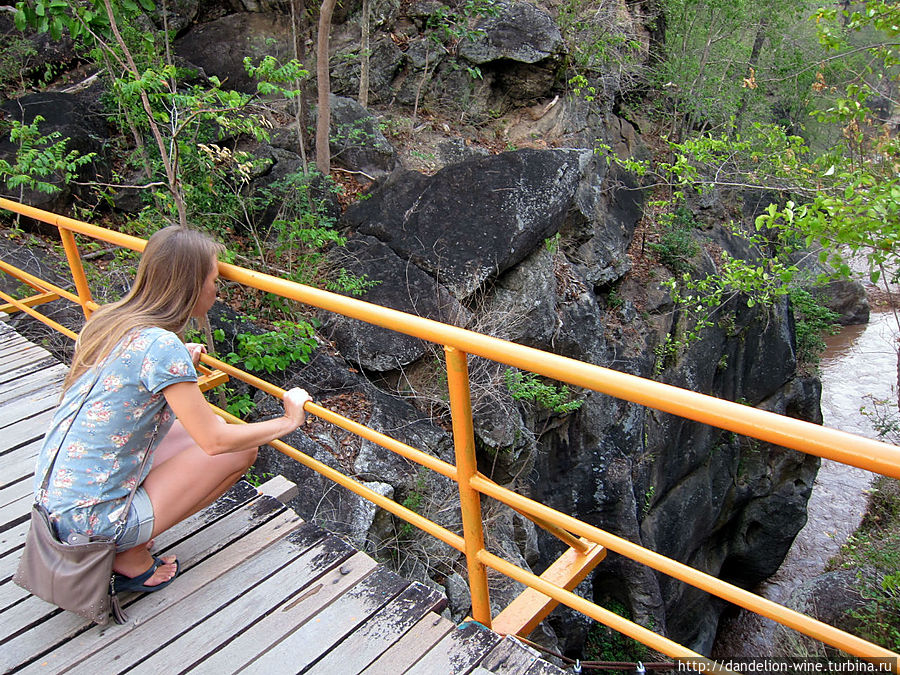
323, 85
40, 157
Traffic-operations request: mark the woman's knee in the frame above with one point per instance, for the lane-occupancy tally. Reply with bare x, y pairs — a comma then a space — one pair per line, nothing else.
243, 460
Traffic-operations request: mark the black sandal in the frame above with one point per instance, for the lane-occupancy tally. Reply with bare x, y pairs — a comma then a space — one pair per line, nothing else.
123, 584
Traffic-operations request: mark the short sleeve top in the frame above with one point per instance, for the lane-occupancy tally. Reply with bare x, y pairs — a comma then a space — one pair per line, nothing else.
102, 442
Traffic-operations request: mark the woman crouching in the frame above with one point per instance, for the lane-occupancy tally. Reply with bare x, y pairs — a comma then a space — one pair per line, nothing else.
116, 425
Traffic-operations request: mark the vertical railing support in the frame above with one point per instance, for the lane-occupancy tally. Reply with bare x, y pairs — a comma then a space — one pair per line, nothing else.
78, 275
466, 468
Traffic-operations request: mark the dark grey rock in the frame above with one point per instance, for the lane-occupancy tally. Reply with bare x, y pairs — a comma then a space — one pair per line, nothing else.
80, 120
400, 285
219, 47
476, 219
520, 32
845, 297
356, 141
385, 63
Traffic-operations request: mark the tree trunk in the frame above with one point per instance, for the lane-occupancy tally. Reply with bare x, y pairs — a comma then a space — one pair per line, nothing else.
300, 27
751, 69
323, 85
364, 56
170, 168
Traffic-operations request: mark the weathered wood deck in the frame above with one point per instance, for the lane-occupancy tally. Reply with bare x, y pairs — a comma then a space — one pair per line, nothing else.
260, 590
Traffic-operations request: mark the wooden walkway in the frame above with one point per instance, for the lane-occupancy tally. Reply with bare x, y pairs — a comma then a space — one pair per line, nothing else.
260, 590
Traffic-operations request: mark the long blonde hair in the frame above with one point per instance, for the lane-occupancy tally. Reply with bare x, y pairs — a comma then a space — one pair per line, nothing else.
170, 276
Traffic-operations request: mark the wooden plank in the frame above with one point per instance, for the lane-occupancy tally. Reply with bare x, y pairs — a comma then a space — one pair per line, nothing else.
10, 561
204, 542
430, 630
224, 607
10, 541
19, 464
27, 406
15, 342
13, 512
28, 627
24, 430
19, 356
15, 491
30, 368
541, 667
237, 648
510, 657
314, 638
11, 460
48, 379
153, 606
458, 652
366, 644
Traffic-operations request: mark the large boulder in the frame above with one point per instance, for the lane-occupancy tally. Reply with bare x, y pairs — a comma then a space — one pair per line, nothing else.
356, 141
399, 285
385, 63
80, 121
473, 220
518, 32
219, 47
521, 47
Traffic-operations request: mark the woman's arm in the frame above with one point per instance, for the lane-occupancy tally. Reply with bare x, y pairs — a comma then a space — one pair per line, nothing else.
200, 421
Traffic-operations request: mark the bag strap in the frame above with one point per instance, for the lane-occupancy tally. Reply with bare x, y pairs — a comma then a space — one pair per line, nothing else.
46, 481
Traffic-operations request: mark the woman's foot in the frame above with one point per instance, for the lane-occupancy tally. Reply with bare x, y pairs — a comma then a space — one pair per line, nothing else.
136, 561
140, 583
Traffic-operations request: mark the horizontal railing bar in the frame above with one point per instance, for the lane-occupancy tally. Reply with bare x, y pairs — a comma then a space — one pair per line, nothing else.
785, 431
402, 449
39, 284
588, 608
804, 436
755, 603
37, 315
94, 231
451, 539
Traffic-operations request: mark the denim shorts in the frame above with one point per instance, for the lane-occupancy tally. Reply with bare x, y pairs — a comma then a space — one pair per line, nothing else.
139, 525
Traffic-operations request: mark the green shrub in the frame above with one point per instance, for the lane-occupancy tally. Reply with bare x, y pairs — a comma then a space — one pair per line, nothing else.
528, 387
812, 320
676, 246
290, 343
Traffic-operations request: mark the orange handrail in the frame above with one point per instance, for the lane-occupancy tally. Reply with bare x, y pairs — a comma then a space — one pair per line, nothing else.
457, 342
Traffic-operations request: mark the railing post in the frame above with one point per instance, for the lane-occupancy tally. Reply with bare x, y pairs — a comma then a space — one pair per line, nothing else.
78, 275
466, 468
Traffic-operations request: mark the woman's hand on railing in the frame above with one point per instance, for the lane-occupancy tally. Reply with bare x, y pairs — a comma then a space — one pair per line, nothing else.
294, 400
195, 349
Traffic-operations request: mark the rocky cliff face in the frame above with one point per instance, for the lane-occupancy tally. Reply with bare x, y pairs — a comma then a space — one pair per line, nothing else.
534, 245
726, 505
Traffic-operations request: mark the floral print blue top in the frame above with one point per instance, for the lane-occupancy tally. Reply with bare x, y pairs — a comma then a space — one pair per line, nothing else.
101, 446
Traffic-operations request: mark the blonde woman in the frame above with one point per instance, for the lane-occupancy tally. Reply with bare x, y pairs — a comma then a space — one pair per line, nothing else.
130, 379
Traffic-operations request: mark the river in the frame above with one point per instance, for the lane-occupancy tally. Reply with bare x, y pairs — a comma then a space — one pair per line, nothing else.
859, 361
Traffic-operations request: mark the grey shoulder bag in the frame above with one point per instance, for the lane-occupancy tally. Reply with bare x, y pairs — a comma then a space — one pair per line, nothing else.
77, 575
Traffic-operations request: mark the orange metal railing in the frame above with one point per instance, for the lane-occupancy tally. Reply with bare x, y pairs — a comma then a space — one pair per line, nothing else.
588, 544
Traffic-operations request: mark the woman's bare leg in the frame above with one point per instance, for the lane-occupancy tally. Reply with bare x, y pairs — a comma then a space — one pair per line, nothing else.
183, 480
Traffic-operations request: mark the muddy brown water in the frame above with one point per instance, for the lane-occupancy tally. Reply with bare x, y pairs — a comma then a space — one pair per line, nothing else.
860, 361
